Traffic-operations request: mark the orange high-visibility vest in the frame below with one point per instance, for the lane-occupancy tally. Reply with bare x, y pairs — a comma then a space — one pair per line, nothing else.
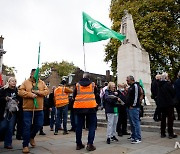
61, 98
85, 97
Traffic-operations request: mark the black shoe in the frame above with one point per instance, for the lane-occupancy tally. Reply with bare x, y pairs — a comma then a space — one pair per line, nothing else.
42, 133
130, 138
120, 134
79, 147
65, 132
126, 133
108, 141
163, 135
173, 136
8, 147
56, 133
114, 138
90, 147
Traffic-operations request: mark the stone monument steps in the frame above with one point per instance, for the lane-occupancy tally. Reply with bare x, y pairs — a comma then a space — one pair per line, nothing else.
149, 107
147, 123
151, 122
150, 114
149, 111
148, 126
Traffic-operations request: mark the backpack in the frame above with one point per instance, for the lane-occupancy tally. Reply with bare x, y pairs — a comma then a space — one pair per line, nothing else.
142, 94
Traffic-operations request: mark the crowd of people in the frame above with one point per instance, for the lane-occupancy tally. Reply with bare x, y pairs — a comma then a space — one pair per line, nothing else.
167, 97
30, 106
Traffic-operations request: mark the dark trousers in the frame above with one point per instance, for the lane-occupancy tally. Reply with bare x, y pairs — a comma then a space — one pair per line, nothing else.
72, 118
177, 106
169, 114
86, 123
19, 120
157, 114
64, 112
46, 117
79, 120
122, 120
7, 127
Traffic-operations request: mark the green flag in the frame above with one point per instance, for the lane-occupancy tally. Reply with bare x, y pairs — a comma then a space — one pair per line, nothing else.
36, 77
141, 84
36, 74
94, 31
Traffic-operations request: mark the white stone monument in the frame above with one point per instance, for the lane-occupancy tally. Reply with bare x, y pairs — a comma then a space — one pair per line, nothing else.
132, 59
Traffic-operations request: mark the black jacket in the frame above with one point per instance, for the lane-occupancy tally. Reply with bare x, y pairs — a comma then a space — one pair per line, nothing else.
177, 88
122, 96
133, 96
51, 100
166, 94
154, 89
7, 92
85, 82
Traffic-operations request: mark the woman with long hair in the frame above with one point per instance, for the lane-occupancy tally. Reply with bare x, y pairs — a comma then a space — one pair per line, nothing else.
9, 104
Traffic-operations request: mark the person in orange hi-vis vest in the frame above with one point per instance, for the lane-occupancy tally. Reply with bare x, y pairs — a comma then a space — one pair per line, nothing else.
61, 103
85, 106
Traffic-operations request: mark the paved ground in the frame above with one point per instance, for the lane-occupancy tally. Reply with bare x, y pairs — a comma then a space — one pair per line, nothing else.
65, 144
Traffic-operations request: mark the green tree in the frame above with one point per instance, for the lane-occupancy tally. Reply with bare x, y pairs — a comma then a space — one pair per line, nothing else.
8, 71
63, 68
157, 26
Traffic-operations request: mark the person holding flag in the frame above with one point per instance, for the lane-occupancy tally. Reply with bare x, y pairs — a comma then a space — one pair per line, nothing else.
32, 115
33, 91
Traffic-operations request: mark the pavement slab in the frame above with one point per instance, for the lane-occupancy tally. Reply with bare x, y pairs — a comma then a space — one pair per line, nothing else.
151, 143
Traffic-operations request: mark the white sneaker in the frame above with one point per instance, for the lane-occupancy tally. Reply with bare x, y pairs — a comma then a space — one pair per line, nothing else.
135, 141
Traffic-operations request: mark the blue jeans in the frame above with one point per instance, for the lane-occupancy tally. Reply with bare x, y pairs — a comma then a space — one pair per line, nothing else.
79, 120
29, 129
64, 112
135, 123
7, 127
52, 119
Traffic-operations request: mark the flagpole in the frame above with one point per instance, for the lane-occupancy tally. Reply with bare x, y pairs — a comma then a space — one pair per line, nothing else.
39, 53
84, 58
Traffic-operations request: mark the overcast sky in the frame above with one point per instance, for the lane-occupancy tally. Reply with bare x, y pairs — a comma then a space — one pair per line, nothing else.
57, 24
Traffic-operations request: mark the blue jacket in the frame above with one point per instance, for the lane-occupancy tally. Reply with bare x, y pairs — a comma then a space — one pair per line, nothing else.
110, 103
